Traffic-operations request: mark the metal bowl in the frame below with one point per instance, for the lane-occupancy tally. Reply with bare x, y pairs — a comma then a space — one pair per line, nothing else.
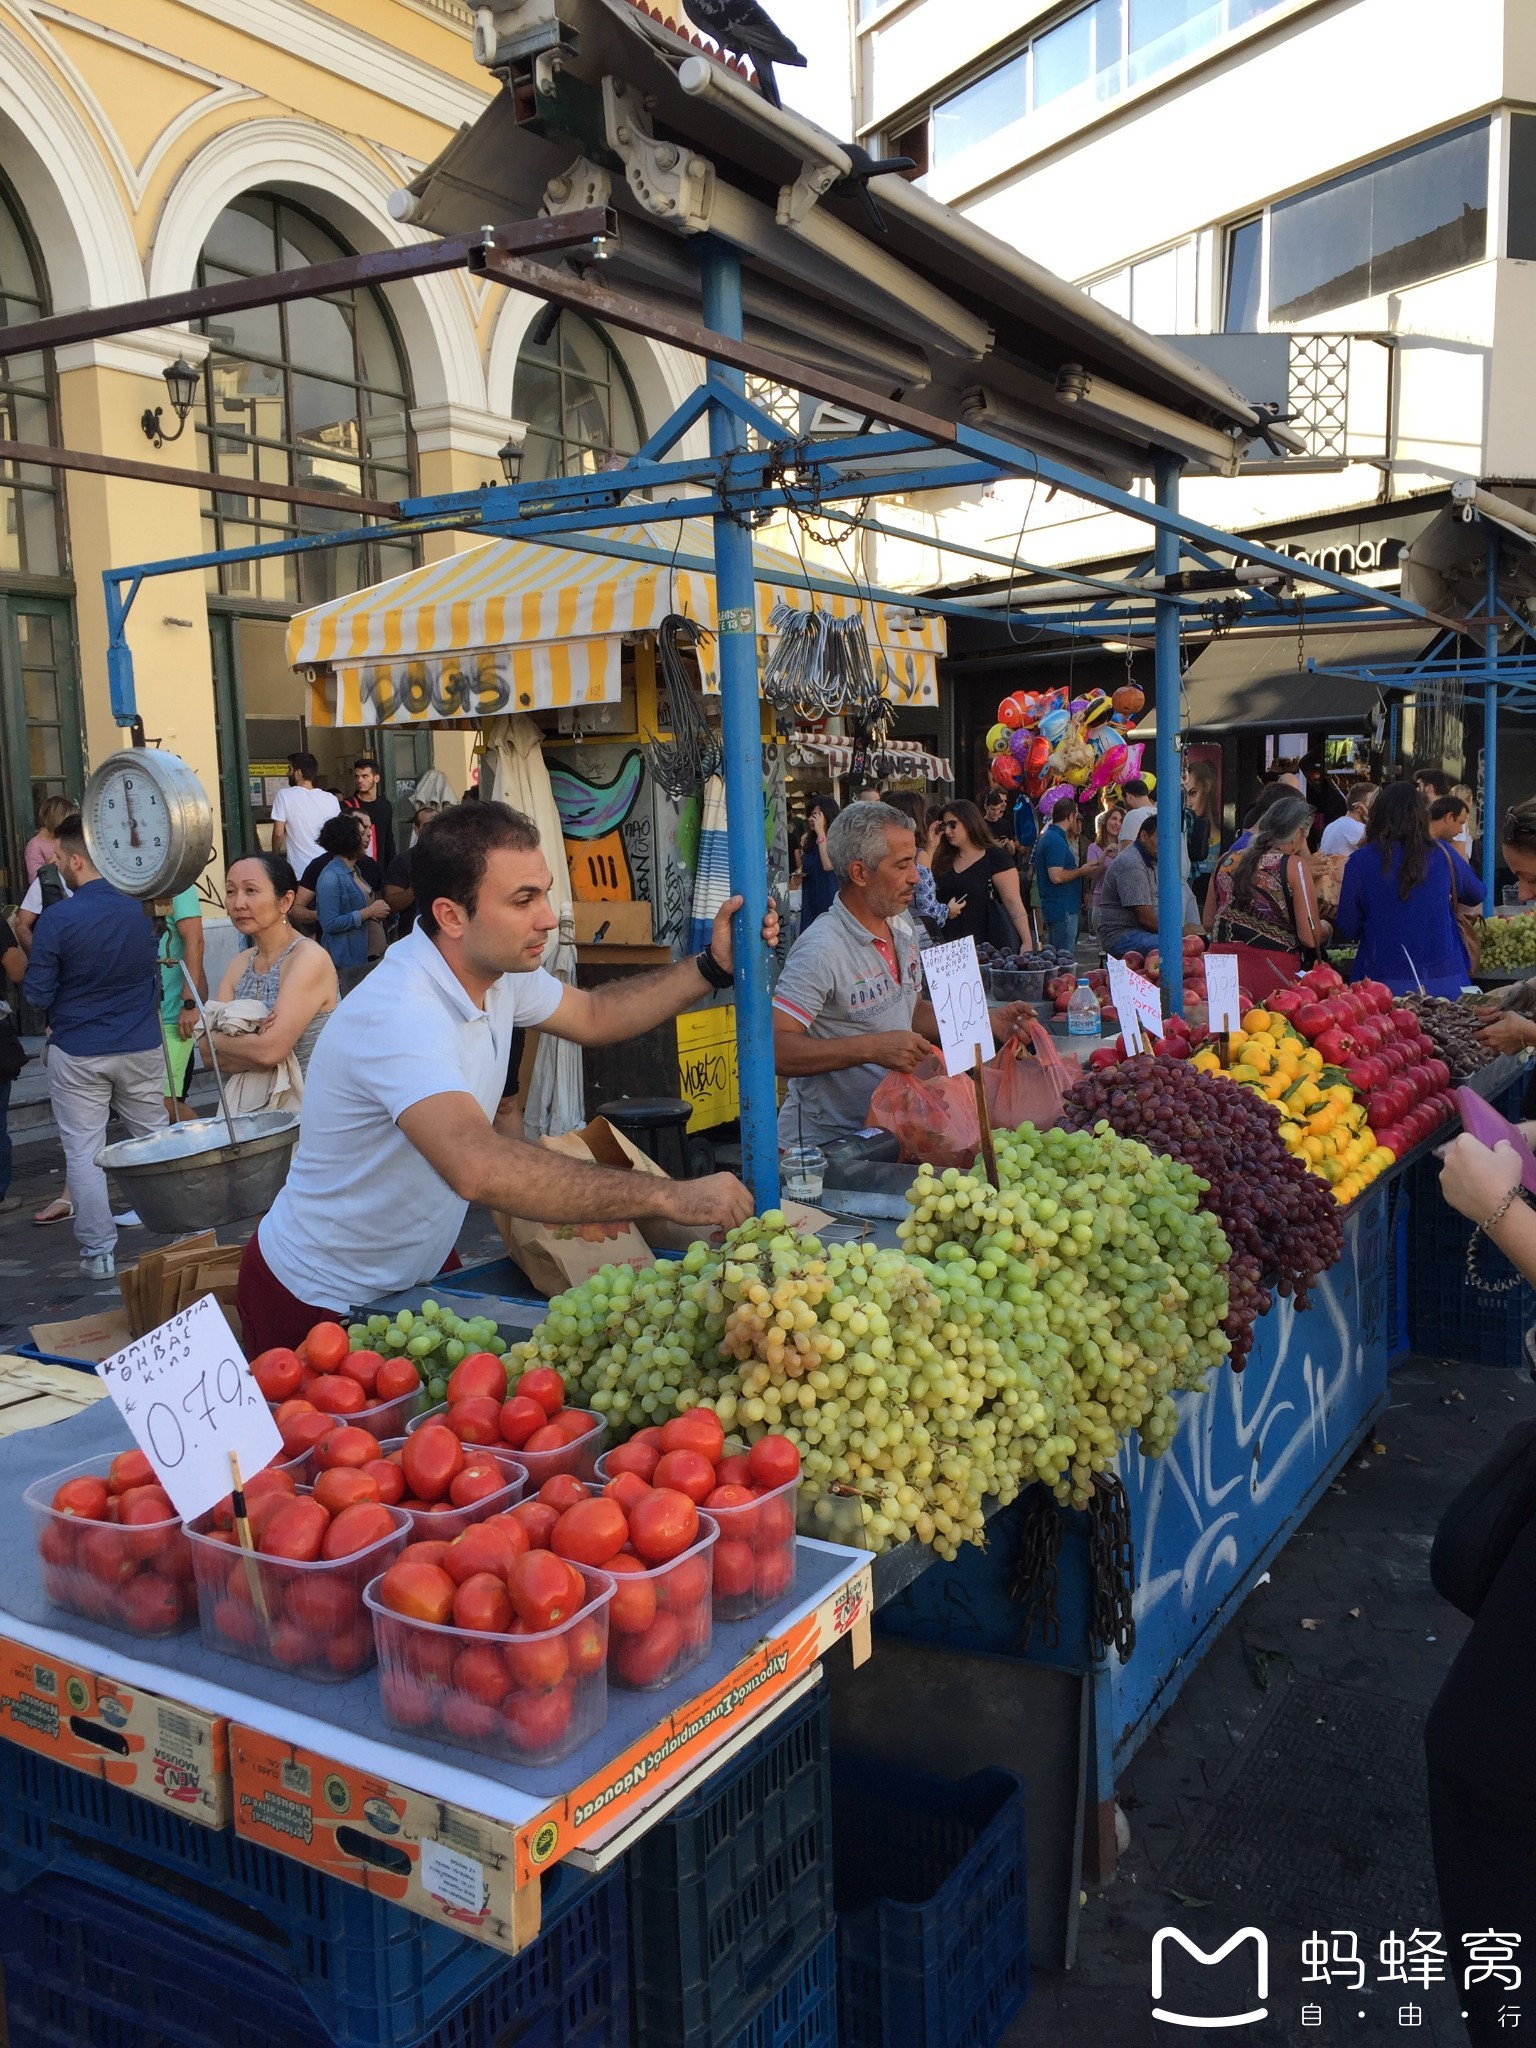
190, 1177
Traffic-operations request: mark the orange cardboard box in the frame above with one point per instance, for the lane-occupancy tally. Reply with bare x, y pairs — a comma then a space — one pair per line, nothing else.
154, 1747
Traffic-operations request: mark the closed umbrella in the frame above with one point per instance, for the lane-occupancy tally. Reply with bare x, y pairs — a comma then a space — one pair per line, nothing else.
712, 876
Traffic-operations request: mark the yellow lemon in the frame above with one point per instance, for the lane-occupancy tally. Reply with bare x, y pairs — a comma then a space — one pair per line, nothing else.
1381, 1158
1341, 1092
1311, 1148
1206, 1063
1243, 1072
1313, 1060
1236, 1040
1274, 1087
1258, 1020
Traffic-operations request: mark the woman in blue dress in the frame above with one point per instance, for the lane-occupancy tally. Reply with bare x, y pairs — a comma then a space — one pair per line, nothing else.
1399, 900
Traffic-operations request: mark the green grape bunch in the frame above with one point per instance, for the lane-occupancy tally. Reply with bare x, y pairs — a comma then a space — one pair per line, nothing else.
432, 1337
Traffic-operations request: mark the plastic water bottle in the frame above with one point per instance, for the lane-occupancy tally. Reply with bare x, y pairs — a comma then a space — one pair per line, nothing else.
1083, 1012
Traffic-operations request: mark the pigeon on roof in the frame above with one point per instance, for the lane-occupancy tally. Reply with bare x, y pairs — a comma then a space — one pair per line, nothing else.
742, 26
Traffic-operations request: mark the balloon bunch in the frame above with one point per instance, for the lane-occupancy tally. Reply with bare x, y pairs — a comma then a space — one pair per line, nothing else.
1046, 743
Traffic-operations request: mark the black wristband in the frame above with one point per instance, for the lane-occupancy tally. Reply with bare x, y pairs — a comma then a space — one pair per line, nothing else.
716, 975
189, 1004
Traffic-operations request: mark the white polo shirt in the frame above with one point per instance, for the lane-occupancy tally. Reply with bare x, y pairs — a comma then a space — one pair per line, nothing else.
362, 1213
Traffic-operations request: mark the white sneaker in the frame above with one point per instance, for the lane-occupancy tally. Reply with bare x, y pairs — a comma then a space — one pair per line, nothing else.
99, 1266
129, 1220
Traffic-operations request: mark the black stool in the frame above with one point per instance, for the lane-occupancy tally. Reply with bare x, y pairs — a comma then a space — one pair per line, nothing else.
658, 1125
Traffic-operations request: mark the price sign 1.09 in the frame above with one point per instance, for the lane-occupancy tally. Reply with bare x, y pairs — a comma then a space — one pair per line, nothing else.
959, 1004
188, 1395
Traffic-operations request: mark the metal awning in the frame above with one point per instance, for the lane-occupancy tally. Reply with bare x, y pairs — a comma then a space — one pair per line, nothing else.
1444, 567
1252, 680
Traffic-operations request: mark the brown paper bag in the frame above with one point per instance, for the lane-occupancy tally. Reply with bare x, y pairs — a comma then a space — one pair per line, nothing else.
560, 1255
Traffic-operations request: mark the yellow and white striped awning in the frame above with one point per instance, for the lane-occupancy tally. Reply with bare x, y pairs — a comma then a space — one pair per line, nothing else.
527, 626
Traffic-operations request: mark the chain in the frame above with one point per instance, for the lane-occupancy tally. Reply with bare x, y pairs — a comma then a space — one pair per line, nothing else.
1475, 1277
1036, 1581
1111, 1569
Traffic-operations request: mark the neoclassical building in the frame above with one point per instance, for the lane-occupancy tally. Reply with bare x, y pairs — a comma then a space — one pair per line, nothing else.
149, 145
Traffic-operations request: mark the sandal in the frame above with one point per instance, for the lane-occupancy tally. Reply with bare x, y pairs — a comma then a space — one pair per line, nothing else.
60, 1210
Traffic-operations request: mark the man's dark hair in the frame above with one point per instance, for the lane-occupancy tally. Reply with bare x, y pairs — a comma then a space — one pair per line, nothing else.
1135, 788
368, 761
1063, 807
450, 855
69, 836
343, 834
1447, 807
305, 765
1435, 779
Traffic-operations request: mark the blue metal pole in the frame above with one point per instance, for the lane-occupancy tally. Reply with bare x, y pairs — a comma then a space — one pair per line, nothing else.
1491, 718
1394, 725
741, 725
1170, 795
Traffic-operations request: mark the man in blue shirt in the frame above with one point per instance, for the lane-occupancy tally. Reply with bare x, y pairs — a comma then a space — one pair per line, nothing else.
1059, 875
93, 969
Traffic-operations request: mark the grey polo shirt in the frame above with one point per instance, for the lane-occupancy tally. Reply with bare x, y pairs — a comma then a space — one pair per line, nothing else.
837, 983
1129, 880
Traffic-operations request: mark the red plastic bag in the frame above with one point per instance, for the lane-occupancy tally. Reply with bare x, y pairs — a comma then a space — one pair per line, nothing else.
932, 1113
1032, 1080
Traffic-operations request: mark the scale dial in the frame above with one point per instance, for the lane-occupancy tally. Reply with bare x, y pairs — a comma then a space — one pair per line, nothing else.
148, 823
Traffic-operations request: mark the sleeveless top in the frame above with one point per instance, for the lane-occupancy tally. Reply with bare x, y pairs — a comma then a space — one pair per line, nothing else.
263, 988
1270, 918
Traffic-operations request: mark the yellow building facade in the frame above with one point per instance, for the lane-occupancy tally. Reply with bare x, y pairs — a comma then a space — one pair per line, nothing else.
150, 145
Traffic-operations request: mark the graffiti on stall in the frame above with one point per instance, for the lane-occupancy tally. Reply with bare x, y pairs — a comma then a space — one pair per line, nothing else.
592, 817
637, 834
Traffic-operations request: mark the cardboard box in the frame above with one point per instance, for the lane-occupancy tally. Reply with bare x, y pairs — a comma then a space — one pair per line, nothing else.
91, 1338
432, 1858
154, 1747
560, 1255
622, 924
32, 1393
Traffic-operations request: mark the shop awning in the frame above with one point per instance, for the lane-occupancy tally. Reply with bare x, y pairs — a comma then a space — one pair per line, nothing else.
896, 758
1252, 679
525, 626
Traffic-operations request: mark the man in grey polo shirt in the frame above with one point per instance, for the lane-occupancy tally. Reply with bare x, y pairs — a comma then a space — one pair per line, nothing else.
849, 1006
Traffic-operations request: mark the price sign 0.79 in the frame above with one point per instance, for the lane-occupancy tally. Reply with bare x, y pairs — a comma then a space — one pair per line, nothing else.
187, 1394
959, 1003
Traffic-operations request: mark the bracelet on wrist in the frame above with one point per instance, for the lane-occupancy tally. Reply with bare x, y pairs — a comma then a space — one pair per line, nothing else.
1482, 1230
1502, 1210
716, 975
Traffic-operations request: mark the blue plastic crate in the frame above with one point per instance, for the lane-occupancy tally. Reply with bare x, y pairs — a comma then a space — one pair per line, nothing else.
932, 1912
731, 1892
803, 2014
375, 1975
83, 1969
1448, 1317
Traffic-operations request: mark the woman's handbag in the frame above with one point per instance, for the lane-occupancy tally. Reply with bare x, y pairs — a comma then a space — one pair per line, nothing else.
13, 1054
1469, 922
1485, 1520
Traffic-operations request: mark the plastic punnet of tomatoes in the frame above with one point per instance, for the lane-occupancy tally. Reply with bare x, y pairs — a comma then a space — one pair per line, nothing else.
662, 1619
583, 1429
754, 1564
467, 1497
524, 1683
295, 1603
112, 1547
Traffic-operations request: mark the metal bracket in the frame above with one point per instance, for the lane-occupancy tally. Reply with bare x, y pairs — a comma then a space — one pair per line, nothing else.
809, 189
584, 184
501, 38
670, 180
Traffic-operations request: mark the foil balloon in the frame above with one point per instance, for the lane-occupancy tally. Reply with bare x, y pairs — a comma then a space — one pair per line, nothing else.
1078, 776
1054, 724
1006, 772
1078, 706
1012, 711
1097, 711
1109, 767
1133, 756
1128, 701
1039, 754
1019, 744
997, 739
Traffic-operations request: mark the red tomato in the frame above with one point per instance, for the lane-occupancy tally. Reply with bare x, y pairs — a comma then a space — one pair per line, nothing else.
664, 1526
651, 1435
396, 1376
389, 1478
417, 1588
476, 1420
697, 1430
626, 1489
85, 1498
237, 1624
586, 1646
545, 1589
148, 1513
733, 1471
515, 1532
550, 1438
730, 1497
348, 1445
56, 1545
102, 1555
356, 1528
482, 1373
362, 1366
326, 1346
479, 1672
632, 1457
773, 1461
431, 1550
562, 1491
492, 1546
322, 1602
430, 1658
296, 1531
590, 1532
646, 1659
277, 1372
481, 1603
633, 1606
303, 1432
772, 1525
685, 1585
519, 1419
407, 1702
543, 1385
735, 1566
477, 1482
334, 1394
775, 1570
259, 1512
432, 1458
343, 1488
149, 1604
350, 1650
538, 1662
533, 1722
573, 1423
129, 1469
469, 1720
538, 1519
685, 1472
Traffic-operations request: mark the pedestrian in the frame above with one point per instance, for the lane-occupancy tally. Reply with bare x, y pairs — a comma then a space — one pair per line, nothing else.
1399, 899
868, 793
1321, 791
299, 811
344, 904
370, 803
1264, 896
971, 866
818, 884
93, 969
1060, 869
1128, 894
291, 976
1447, 821
932, 915
1462, 840
1509, 1029
1102, 849
13, 965
181, 945
1202, 827
1431, 782
1343, 835
41, 847
398, 893
305, 916
46, 886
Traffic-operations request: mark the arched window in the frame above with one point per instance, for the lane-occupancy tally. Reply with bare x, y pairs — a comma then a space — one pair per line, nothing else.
29, 527
574, 392
314, 392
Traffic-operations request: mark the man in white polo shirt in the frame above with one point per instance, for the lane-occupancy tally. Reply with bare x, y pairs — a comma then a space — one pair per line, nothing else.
405, 1122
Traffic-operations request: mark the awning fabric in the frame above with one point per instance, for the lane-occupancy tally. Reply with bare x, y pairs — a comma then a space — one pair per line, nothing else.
526, 626
1251, 679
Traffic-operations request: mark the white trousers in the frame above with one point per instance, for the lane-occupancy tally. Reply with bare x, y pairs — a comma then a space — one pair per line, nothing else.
84, 1091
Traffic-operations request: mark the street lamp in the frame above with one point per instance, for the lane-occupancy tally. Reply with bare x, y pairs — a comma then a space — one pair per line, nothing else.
510, 453
181, 382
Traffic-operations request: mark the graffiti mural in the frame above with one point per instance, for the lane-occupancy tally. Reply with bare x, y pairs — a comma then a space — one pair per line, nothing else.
592, 818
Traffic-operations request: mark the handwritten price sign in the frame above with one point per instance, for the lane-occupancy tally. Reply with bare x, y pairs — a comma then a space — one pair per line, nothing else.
187, 1394
960, 1004
1226, 1009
